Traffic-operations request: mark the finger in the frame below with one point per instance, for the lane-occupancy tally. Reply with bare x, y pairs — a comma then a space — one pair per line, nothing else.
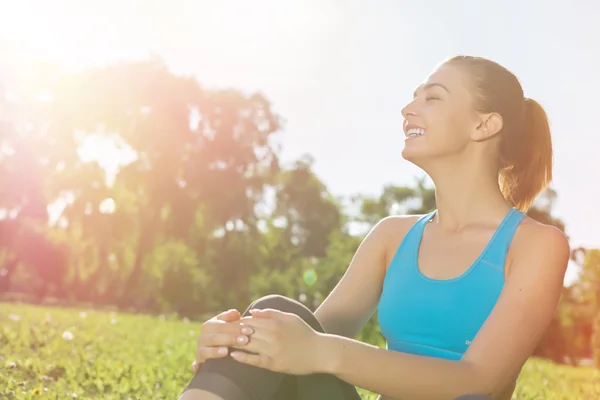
207, 353
229, 315
255, 345
222, 339
258, 360
265, 335
217, 326
260, 323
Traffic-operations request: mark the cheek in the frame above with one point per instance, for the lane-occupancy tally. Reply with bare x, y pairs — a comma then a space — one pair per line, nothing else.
447, 133
449, 127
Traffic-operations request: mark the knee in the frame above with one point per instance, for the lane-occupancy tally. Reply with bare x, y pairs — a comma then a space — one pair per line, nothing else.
287, 305
279, 302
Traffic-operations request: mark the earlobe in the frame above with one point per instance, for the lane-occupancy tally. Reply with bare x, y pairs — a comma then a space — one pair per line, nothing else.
490, 124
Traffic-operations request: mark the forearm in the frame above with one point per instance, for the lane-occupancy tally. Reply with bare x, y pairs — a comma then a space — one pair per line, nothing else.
346, 322
337, 325
398, 375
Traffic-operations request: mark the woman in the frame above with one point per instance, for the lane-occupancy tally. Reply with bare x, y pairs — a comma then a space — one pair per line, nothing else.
464, 293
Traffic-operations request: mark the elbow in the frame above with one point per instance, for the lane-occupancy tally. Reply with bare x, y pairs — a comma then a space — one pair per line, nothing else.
492, 385
496, 388
489, 392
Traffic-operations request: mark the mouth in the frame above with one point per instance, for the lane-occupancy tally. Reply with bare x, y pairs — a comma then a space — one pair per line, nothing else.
414, 131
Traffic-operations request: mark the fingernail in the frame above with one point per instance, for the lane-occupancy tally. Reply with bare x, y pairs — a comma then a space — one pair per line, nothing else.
247, 330
242, 339
223, 351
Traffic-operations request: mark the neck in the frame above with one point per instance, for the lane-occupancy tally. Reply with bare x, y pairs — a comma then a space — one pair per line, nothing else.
466, 195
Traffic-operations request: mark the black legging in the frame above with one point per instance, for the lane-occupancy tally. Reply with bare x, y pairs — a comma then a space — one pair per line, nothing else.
233, 380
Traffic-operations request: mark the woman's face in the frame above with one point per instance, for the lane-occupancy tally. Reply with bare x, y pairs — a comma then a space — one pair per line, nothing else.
441, 119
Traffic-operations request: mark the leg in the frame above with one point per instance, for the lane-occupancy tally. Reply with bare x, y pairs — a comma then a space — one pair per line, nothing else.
228, 379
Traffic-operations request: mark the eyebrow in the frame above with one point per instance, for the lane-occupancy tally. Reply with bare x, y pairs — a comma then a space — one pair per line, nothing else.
430, 85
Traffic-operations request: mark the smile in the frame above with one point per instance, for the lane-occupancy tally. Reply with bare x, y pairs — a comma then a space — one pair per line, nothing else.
414, 132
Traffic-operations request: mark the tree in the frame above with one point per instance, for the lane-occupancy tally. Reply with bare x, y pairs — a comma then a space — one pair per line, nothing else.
395, 200
193, 147
306, 209
25, 156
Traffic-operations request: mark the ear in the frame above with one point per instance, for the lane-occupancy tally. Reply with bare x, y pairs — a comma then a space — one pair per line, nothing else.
489, 125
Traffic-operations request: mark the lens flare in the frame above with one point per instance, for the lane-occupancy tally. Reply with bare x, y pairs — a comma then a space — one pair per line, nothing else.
310, 277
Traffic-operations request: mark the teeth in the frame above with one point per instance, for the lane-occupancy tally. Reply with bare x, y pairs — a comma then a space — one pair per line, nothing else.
416, 132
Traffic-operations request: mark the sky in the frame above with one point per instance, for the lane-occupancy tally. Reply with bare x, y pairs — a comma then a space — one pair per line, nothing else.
339, 71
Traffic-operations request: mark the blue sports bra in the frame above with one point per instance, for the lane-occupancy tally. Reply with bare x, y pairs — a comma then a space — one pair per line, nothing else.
439, 318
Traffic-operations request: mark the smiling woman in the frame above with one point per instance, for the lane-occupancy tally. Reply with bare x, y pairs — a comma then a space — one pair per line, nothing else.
464, 293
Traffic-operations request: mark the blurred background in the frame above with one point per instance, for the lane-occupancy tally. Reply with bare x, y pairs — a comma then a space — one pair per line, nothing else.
164, 161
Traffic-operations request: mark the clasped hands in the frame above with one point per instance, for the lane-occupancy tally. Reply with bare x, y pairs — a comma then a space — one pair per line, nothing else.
275, 340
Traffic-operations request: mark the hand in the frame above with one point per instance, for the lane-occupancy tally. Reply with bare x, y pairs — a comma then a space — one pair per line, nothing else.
219, 333
281, 342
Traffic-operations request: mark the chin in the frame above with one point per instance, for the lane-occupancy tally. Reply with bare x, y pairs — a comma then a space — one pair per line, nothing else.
412, 154
418, 157
418, 149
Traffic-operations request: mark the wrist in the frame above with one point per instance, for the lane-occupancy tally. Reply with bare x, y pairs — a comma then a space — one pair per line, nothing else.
327, 354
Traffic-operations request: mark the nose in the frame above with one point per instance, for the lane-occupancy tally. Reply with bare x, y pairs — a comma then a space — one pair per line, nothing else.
409, 110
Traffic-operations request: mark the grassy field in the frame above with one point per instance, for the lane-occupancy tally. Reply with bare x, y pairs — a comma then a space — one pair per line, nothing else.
53, 353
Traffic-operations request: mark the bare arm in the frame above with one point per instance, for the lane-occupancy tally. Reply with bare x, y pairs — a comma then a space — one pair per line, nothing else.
354, 299
498, 352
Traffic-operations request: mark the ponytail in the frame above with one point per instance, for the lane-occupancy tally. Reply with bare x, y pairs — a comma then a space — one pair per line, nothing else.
525, 159
528, 155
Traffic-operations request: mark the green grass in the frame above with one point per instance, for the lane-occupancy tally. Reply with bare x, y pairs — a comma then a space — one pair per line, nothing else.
54, 353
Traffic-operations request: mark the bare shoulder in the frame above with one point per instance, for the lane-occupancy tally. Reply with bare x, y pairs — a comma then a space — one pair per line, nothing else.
533, 235
538, 245
394, 225
392, 230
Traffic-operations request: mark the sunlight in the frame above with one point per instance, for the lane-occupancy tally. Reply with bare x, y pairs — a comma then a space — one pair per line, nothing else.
109, 151
65, 32
107, 206
75, 35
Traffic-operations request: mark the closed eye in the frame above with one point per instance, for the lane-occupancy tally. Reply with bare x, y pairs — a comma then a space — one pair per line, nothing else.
431, 98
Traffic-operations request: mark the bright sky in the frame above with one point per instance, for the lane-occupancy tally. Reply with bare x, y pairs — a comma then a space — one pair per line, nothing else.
339, 71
